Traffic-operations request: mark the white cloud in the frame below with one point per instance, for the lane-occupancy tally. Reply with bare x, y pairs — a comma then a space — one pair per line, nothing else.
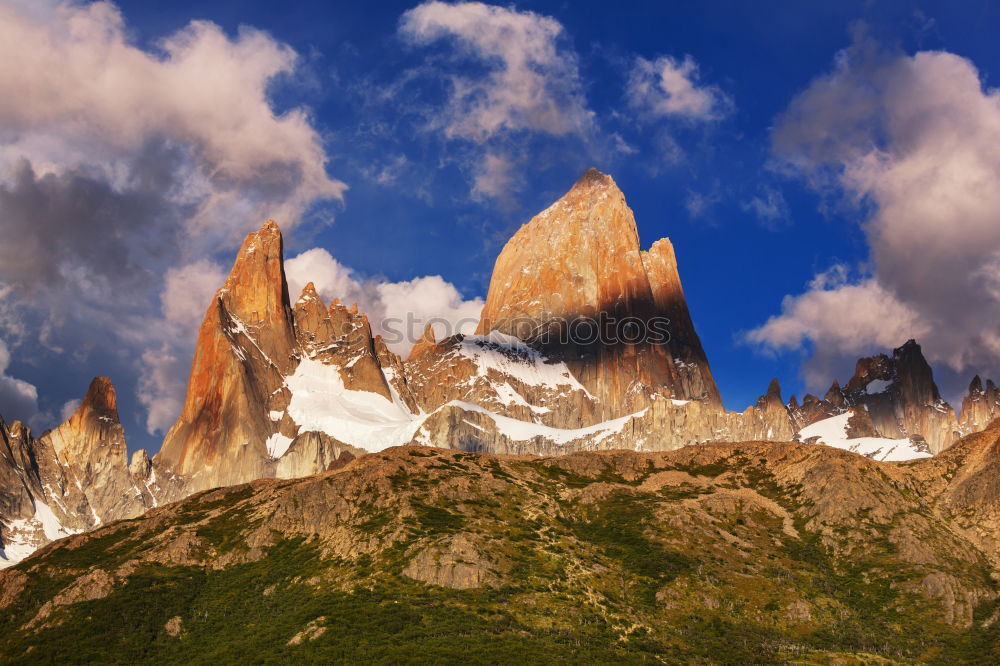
397, 310
667, 87
769, 206
68, 409
914, 140
18, 398
330, 277
124, 170
74, 90
162, 384
494, 177
430, 299
847, 316
188, 292
532, 84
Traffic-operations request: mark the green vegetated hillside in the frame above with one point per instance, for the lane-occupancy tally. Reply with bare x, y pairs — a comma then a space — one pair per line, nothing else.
722, 553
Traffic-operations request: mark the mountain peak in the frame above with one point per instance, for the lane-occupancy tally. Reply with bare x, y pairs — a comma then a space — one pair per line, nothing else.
594, 178
580, 259
426, 341
101, 398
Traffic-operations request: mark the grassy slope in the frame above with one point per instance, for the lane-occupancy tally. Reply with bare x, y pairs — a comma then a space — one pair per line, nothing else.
619, 574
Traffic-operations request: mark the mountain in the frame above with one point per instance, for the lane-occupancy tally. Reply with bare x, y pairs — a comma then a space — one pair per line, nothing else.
574, 277
752, 552
70, 479
289, 389
890, 408
980, 407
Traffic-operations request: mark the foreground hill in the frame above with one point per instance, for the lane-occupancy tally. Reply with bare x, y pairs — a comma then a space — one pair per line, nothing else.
717, 553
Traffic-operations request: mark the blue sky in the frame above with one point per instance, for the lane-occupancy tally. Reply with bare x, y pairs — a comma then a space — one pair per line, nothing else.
781, 173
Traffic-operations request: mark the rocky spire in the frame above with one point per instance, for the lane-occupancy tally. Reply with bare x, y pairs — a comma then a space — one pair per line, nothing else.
580, 258
773, 396
980, 406
835, 395
246, 345
93, 430
427, 341
312, 321
91, 456
689, 358
901, 397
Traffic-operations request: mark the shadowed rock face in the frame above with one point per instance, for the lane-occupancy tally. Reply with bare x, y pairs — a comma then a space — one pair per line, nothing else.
980, 407
72, 478
246, 345
688, 356
580, 259
897, 395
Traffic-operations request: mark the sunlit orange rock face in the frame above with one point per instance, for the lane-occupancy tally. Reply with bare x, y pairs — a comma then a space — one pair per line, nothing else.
246, 345
581, 258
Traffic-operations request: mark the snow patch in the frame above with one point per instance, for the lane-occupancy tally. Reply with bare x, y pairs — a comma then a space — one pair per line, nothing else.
511, 356
21, 536
833, 432
522, 431
277, 444
877, 386
50, 524
321, 403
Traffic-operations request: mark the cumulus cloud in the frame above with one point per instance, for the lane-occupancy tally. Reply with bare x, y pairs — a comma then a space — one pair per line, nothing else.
68, 409
667, 87
162, 384
531, 83
397, 310
910, 140
74, 89
188, 292
124, 170
769, 206
18, 398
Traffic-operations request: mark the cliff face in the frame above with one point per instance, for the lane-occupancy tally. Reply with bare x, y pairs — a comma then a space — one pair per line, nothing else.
891, 397
71, 479
980, 407
574, 281
246, 346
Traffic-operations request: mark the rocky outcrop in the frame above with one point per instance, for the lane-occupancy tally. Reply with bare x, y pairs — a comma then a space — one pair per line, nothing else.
980, 407
70, 479
573, 282
246, 346
892, 397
